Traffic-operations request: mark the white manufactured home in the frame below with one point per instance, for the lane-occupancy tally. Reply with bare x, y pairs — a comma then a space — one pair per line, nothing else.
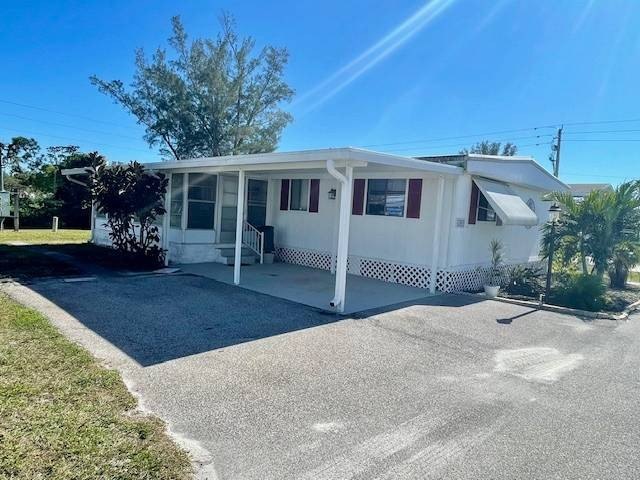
425, 222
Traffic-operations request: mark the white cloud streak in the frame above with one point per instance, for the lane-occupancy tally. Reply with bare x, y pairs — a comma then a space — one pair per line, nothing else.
373, 55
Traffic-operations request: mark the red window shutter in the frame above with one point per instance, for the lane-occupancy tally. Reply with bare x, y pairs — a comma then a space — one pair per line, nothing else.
284, 194
314, 196
357, 205
473, 206
414, 198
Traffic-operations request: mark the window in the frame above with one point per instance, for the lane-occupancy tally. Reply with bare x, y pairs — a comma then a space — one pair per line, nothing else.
386, 197
485, 211
177, 197
201, 201
299, 199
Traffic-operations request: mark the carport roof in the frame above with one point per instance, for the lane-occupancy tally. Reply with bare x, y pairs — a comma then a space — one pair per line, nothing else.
306, 159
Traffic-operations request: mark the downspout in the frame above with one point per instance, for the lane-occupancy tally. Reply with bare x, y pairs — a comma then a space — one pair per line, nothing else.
343, 233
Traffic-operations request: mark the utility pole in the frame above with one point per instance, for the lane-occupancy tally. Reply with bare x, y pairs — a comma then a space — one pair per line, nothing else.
1, 169
556, 149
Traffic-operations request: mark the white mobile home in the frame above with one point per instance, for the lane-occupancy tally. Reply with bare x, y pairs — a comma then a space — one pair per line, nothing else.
425, 222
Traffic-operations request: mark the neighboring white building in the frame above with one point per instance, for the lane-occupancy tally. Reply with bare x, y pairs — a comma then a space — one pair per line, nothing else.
424, 222
580, 190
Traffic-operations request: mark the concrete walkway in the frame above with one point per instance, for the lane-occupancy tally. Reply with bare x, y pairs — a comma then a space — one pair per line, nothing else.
310, 286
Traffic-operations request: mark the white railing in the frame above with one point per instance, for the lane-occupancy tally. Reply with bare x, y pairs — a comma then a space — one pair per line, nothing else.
254, 239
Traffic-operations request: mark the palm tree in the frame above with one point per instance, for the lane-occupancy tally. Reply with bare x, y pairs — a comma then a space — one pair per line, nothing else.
604, 226
571, 232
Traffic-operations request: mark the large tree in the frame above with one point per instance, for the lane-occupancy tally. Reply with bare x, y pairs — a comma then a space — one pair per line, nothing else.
492, 148
211, 97
17, 154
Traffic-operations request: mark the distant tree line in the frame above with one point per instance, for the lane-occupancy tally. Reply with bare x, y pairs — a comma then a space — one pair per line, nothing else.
492, 148
35, 172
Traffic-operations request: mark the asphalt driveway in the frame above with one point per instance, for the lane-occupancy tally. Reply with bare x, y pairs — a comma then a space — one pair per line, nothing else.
261, 388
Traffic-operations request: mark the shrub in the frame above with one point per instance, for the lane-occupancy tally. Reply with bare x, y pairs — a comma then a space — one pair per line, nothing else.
526, 281
133, 202
585, 292
496, 262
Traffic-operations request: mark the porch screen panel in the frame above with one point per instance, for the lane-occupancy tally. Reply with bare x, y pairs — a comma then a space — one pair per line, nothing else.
414, 198
177, 196
357, 206
314, 195
201, 201
284, 194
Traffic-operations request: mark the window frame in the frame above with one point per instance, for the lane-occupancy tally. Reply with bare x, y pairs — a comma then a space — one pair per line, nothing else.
308, 195
404, 197
188, 200
487, 209
174, 199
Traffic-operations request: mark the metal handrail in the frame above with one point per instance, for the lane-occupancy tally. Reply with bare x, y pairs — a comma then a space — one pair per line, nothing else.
254, 239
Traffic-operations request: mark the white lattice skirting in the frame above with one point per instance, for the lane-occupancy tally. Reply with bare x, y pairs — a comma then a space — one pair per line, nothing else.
465, 279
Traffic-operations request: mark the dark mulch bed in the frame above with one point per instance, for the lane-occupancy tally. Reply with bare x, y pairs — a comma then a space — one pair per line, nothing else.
104, 257
27, 262
617, 299
22, 263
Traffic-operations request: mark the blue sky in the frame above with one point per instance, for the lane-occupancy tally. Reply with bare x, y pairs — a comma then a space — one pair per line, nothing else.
390, 75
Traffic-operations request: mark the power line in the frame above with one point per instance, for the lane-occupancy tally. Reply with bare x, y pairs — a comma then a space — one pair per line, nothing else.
460, 144
457, 137
603, 131
102, 132
57, 112
540, 127
74, 139
601, 122
602, 140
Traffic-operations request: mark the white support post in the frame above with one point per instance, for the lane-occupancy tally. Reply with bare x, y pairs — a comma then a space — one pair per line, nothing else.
346, 186
436, 236
239, 222
166, 222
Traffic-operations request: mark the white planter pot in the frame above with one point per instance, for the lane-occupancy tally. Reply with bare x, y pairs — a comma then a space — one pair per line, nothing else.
491, 291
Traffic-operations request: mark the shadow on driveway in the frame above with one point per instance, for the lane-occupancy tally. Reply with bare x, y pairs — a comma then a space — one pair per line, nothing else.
154, 319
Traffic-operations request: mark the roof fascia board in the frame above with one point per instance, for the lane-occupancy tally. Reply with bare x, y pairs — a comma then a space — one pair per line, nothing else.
559, 185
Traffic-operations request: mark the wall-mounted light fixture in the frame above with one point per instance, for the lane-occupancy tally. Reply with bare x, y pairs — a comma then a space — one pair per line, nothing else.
332, 194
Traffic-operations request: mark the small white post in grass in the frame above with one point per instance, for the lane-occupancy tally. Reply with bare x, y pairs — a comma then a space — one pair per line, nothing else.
54, 226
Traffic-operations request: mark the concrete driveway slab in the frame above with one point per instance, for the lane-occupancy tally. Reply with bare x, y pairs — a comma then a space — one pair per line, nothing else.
262, 388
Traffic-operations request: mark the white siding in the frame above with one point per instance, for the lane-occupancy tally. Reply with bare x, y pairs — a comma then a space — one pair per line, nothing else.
398, 239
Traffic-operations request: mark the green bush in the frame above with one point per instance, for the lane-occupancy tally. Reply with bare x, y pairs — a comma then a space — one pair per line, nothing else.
527, 281
585, 292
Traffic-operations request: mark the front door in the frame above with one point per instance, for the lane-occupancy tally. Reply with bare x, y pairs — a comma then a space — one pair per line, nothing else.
257, 202
229, 208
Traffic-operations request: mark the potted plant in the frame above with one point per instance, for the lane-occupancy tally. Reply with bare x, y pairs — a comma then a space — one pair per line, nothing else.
493, 286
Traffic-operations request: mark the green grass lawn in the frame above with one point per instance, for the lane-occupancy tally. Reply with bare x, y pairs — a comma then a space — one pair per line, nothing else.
634, 277
63, 416
44, 236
